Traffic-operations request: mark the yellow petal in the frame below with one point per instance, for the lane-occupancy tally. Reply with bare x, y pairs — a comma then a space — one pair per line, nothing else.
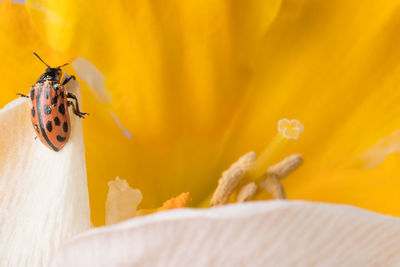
174, 70
18, 38
334, 66
376, 154
199, 83
374, 189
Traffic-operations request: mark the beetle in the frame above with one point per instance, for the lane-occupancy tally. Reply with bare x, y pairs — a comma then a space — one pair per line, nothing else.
49, 107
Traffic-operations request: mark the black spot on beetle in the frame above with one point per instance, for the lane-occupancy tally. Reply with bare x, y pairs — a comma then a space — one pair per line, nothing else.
60, 138
65, 126
54, 100
62, 94
33, 112
49, 126
57, 121
47, 109
61, 109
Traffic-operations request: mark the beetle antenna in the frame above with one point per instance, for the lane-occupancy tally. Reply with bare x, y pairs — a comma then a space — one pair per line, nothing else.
41, 59
63, 65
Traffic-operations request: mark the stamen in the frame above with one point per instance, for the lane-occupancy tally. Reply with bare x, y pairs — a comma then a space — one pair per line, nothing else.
274, 187
252, 171
231, 179
278, 171
287, 129
172, 203
176, 202
286, 166
247, 192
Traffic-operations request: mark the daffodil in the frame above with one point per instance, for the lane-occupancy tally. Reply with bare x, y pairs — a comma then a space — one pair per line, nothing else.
177, 91
197, 84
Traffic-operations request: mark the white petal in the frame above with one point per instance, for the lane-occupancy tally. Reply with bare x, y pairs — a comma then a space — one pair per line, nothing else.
274, 233
43, 194
119, 124
92, 77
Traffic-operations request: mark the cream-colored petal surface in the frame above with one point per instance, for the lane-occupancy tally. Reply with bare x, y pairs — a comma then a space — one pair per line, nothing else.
274, 233
43, 194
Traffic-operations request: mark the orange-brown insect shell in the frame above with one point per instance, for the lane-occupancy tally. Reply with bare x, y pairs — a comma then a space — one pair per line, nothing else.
49, 113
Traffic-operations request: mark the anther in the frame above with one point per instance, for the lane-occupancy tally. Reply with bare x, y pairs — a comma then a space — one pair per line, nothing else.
231, 179
247, 192
278, 171
286, 166
274, 187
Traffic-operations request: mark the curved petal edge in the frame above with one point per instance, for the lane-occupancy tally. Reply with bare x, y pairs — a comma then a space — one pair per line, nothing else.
268, 233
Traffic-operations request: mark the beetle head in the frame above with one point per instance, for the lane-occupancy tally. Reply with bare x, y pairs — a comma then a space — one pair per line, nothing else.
53, 74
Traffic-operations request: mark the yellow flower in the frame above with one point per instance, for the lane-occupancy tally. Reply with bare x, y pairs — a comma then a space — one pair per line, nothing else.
198, 84
178, 90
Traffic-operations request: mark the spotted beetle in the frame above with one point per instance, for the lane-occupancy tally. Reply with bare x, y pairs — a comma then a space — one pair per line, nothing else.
49, 109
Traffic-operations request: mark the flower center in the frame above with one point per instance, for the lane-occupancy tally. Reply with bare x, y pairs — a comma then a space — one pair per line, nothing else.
287, 130
248, 174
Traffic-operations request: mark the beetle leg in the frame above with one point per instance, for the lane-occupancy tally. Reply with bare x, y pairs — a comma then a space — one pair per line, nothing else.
76, 110
70, 95
68, 79
22, 95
